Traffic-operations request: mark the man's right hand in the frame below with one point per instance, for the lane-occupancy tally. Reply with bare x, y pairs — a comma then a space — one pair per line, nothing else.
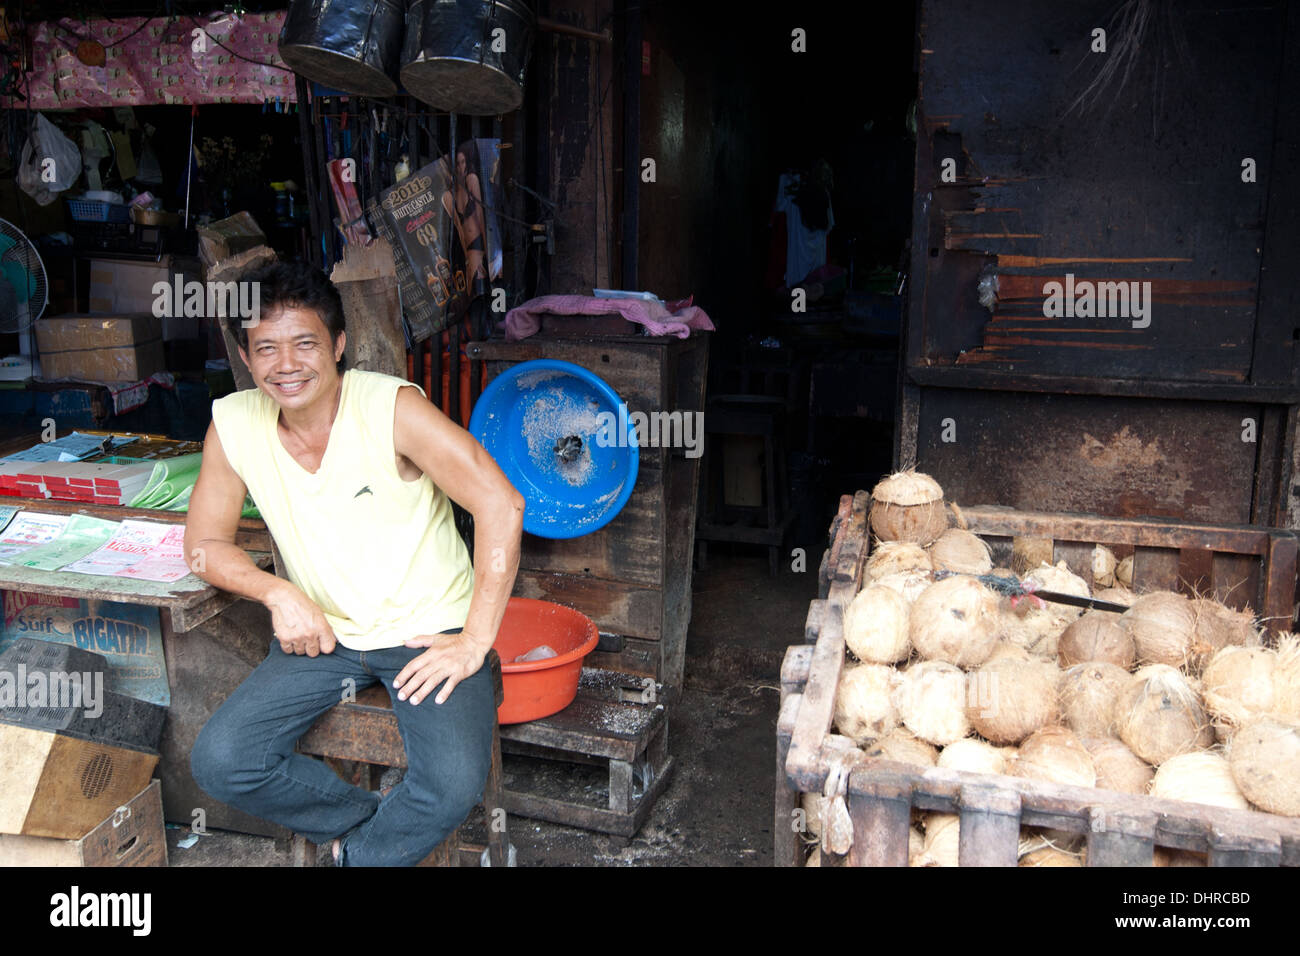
299, 625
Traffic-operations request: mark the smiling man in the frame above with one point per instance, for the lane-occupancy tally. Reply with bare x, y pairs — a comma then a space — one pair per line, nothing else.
354, 473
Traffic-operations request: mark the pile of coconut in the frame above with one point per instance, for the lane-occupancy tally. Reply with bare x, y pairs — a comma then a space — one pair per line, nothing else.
1177, 697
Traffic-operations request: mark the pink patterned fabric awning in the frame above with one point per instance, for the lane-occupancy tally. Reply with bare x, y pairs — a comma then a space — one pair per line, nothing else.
221, 59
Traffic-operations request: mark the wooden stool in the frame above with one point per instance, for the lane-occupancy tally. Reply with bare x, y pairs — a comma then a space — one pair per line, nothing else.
754, 415
365, 731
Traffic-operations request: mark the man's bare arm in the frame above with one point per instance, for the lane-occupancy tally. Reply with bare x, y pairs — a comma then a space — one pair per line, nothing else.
211, 552
457, 464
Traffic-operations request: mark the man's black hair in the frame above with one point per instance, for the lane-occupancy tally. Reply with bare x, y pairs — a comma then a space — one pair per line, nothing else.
293, 285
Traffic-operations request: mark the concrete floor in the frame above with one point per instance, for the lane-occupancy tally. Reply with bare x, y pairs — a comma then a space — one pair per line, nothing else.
717, 808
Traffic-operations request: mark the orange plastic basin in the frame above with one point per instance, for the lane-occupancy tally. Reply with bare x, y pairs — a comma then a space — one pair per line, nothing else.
536, 689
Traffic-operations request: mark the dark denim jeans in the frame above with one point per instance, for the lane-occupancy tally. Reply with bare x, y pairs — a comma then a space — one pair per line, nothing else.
244, 756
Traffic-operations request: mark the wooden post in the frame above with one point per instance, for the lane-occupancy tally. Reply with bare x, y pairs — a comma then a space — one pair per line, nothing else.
990, 827
1116, 838
230, 270
880, 807
367, 282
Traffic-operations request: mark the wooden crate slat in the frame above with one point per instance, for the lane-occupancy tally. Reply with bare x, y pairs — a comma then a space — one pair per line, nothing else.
990, 826
795, 667
818, 707
1156, 569
1196, 569
880, 808
1277, 600
1121, 838
813, 623
785, 832
1147, 532
1236, 580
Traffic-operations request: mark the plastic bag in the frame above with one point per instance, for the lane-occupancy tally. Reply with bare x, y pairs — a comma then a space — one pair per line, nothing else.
46, 142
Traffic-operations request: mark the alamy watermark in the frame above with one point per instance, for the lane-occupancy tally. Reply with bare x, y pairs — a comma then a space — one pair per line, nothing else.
676, 429
194, 299
1089, 299
20, 688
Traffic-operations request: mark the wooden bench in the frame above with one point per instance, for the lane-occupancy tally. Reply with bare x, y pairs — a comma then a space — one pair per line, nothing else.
365, 731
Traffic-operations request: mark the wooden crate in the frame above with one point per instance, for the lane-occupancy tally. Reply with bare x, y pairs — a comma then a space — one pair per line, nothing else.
1240, 565
132, 835
60, 786
633, 576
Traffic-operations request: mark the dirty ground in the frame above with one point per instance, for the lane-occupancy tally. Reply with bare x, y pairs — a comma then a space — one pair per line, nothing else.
717, 809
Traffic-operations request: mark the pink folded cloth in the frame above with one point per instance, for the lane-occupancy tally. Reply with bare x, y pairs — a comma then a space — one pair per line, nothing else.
129, 395
676, 318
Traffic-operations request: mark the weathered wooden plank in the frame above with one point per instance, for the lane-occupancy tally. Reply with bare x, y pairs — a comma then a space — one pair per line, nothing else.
1145, 532
615, 606
784, 829
1277, 606
795, 667
881, 811
1156, 569
990, 826
818, 706
813, 623
1195, 570
1118, 838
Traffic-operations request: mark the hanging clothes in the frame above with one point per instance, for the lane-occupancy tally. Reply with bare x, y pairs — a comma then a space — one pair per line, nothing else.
805, 248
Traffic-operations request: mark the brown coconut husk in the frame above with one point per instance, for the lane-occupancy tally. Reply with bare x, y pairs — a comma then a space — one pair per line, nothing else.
1087, 695
1005, 650
932, 702
1218, 626
1203, 777
1096, 636
875, 626
908, 506
1265, 760
1118, 768
811, 804
960, 552
955, 620
1103, 567
864, 702
1238, 685
1054, 754
973, 756
897, 557
910, 584
1162, 626
1159, 715
904, 747
1007, 700
1116, 595
1286, 678
942, 840
1124, 573
1038, 629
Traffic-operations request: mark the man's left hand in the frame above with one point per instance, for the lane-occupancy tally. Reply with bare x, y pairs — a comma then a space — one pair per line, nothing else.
452, 657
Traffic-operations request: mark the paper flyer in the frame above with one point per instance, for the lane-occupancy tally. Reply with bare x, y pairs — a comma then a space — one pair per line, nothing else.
139, 549
6, 515
29, 530
82, 535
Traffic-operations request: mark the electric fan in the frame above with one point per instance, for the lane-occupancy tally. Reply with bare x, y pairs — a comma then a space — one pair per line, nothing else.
24, 292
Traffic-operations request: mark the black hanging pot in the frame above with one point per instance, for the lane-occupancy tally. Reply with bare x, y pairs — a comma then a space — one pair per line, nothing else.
467, 56
345, 45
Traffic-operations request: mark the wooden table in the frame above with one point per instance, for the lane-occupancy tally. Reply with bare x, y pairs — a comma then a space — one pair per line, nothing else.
211, 639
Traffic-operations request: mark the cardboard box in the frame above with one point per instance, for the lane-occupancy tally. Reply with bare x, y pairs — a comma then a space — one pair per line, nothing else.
134, 834
100, 348
120, 287
227, 237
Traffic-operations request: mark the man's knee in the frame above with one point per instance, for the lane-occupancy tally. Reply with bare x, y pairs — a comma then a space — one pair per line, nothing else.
219, 761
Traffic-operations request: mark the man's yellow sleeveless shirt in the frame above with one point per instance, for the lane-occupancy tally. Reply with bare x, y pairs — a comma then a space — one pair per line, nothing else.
380, 556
